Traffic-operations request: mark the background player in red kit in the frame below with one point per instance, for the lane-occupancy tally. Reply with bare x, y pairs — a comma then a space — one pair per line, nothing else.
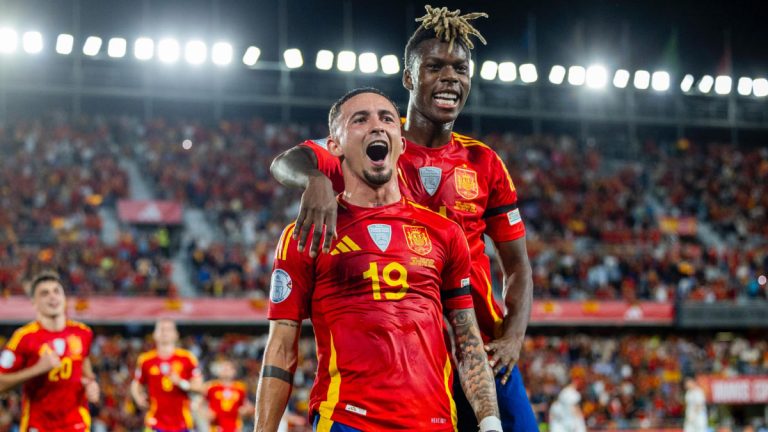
451, 174
168, 373
227, 399
50, 357
377, 299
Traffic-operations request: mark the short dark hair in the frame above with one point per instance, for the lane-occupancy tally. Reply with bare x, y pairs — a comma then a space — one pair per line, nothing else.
44, 276
333, 114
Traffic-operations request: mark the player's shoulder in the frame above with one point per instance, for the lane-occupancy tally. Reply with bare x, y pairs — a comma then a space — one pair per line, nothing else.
213, 384
22, 332
428, 216
146, 356
181, 352
79, 326
474, 146
316, 142
283, 244
240, 385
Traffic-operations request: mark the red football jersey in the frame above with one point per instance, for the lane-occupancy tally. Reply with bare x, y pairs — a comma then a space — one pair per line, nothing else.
168, 404
376, 303
225, 401
54, 401
466, 181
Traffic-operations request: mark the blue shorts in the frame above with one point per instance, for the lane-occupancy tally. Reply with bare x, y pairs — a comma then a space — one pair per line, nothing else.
514, 407
335, 426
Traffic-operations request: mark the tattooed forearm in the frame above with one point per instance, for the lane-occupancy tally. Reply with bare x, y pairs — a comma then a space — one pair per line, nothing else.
287, 323
474, 372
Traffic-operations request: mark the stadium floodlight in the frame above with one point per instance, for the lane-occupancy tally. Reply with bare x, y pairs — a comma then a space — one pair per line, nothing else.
723, 84
687, 83
390, 64
32, 42
92, 46
368, 62
345, 61
528, 73
195, 52
577, 75
705, 83
116, 48
251, 56
596, 77
8, 41
760, 87
488, 70
64, 44
557, 74
293, 58
744, 87
642, 79
507, 71
324, 60
660, 81
221, 53
621, 78
168, 51
144, 48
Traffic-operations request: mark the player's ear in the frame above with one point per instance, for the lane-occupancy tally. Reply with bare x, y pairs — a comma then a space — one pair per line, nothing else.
334, 147
407, 79
403, 145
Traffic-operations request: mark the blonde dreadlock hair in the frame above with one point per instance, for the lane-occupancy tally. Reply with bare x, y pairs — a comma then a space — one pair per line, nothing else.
447, 26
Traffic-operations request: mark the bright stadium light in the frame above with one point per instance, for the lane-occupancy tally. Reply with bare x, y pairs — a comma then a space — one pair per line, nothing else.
368, 62
760, 87
32, 42
528, 73
642, 79
324, 60
596, 77
195, 52
116, 48
390, 64
557, 74
687, 83
345, 61
705, 84
507, 71
251, 56
471, 68
8, 41
660, 81
221, 53
92, 46
293, 58
64, 44
488, 70
168, 51
144, 48
744, 87
576, 75
723, 84
621, 78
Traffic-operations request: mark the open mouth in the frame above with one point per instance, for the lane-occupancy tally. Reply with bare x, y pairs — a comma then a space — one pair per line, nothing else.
446, 99
377, 151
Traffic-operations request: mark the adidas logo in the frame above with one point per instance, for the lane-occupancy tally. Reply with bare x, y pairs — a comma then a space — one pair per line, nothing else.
345, 245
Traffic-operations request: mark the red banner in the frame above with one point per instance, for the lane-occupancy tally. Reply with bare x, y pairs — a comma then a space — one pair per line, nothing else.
737, 390
150, 212
602, 313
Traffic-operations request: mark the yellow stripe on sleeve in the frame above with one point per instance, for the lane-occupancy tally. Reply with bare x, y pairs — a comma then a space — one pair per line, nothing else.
287, 241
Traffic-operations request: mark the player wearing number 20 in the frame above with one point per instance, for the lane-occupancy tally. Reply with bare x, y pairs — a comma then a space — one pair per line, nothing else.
377, 300
50, 357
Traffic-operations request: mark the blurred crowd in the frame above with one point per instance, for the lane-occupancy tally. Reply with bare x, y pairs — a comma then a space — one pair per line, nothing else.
626, 381
684, 221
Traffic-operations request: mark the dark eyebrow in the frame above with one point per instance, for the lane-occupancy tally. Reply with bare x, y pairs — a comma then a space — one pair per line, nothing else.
386, 111
361, 112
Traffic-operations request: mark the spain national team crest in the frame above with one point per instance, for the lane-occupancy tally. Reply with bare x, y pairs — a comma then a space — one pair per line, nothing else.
430, 177
381, 234
417, 239
75, 345
466, 182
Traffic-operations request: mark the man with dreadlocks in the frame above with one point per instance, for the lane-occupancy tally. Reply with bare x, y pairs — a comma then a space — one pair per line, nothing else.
452, 174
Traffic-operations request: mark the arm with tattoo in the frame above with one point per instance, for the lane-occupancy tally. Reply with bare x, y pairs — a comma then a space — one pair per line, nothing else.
474, 372
276, 380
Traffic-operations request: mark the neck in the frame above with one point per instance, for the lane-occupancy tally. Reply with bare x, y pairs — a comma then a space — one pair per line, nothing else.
52, 323
420, 130
165, 350
358, 192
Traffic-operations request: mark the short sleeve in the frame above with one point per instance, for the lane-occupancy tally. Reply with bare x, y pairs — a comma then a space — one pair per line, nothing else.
292, 282
140, 375
194, 368
327, 163
456, 291
502, 216
12, 356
